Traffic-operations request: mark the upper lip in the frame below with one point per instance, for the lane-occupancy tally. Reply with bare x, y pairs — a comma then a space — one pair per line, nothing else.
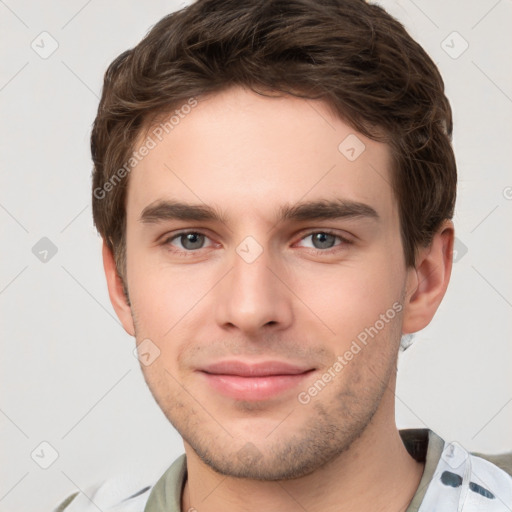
261, 369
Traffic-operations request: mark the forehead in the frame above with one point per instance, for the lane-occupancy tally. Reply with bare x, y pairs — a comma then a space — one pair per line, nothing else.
239, 151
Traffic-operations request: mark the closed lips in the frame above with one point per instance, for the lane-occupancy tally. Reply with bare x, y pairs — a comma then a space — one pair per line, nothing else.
262, 369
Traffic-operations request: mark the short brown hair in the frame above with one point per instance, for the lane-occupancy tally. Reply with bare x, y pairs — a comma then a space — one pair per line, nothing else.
351, 54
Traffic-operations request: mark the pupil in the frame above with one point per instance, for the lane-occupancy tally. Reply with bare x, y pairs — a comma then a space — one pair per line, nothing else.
191, 238
321, 238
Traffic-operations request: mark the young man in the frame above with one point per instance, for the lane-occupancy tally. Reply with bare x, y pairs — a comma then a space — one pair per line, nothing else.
274, 183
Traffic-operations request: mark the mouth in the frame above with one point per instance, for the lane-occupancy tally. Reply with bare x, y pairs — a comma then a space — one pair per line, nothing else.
254, 382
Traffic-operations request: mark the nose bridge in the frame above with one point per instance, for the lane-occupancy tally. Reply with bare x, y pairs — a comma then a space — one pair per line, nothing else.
251, 295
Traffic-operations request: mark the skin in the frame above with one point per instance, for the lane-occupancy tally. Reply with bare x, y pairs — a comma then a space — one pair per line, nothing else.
247, 155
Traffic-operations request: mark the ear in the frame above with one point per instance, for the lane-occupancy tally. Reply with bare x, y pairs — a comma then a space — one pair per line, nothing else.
116, 292
428, 279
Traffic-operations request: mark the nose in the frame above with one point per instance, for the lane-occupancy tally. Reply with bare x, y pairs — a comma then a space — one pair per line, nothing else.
254, 295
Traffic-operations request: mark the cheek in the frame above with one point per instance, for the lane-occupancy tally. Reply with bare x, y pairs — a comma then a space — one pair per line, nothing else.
161, 295
168, 304
349, 298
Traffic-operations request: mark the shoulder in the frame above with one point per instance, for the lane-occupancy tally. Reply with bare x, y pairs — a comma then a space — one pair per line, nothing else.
122, 493
469, 481
129, 492
62, 506
502, 460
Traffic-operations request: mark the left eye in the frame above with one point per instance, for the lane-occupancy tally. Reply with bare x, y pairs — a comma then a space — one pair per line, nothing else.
190, 240
323, 240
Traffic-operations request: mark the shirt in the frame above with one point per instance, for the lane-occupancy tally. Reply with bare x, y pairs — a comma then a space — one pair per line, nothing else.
453, 480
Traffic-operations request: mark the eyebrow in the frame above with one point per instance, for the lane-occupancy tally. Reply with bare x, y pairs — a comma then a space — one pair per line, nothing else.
164, 210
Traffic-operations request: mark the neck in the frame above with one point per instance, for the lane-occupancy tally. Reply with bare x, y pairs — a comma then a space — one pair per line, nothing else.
375, 473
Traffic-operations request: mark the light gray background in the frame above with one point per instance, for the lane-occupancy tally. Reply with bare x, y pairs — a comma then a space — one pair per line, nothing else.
69, 377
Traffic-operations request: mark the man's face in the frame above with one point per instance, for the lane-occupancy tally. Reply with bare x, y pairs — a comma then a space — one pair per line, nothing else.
250, 312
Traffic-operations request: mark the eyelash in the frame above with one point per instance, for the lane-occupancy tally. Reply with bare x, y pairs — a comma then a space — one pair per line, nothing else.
188, 253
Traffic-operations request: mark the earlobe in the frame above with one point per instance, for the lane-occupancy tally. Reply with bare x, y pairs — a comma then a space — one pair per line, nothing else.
428, 280
116, 291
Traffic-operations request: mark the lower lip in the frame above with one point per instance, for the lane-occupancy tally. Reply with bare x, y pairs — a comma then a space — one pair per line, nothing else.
254, 388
